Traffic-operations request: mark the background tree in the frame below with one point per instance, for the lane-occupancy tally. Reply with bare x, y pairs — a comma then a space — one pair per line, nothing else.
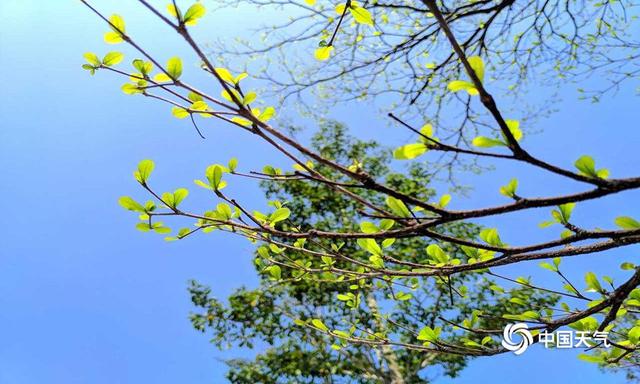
296, 354
389, 216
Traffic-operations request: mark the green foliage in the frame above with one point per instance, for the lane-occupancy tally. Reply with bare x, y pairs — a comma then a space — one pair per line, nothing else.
477, 64
118, 30
306, 340
509, 190
514, 128
562, 215
398, 207
626, 222
174, 68
587, 167
145, 167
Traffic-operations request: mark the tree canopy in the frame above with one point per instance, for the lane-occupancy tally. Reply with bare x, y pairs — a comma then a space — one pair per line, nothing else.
267, 314
387, 241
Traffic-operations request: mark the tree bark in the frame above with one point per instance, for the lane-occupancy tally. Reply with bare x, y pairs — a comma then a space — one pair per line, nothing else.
389, 356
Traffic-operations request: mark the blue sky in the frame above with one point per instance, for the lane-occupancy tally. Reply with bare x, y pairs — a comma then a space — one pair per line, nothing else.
87, 298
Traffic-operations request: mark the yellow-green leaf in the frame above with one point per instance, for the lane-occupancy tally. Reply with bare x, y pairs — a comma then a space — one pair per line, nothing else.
361, 15
112, 58
323, 53
225, 75
482, 141
478, 66
459, 85
514, 127
194, 12
92, 59
179, 113
174, 68
410, 151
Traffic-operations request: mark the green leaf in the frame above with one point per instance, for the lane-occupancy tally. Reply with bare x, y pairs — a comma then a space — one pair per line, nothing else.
509, 190
233, 164
323, 53
195, 12
174, 67
514, 128
444, 200
117, 22
118, 27
591, 358
319, 324
179, 195
634, 335
548, 266
267, 114
130, 89
398, 207
368, 227
213, 173
593, 285
565, 210
128, 203
459, 85
491, 237
486, 142
477, 65
225, 75
179, 113
112, 58
587, 167
437, 253
410, 151
429, 334
249, 98
144, 67
275, 271
202, 184
370, 246
279, 215
145, 167
361, 15
92, 59
626, 222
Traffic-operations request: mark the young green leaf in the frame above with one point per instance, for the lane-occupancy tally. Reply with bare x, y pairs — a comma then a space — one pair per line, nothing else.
112, 58
398, 207
195, 12
593, 285
410, 151
323, 53
92, 59
319, 324
487, 142
370, 246
174, 68
118, 29
587, 167
279, 215
491, 237
145, 167
128, 203
509, 190
361, 15
626, 222
428, 334
460, 85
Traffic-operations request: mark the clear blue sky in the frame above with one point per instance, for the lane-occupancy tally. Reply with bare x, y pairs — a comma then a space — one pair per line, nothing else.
86, 298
